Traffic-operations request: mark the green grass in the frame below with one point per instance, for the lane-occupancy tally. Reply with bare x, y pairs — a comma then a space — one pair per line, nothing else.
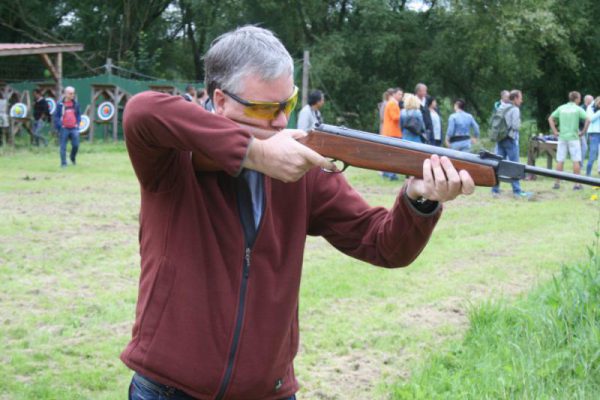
69, 267
544, 346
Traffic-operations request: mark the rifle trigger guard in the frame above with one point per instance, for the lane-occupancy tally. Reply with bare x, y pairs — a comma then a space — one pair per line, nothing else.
339, 170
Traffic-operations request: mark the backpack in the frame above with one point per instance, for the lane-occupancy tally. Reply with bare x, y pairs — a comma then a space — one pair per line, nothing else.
412, 124
499, 129
69, 119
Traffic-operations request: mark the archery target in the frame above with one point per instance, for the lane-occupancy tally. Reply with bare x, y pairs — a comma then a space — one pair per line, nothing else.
106, 111
18, 110
84, 124
51, 104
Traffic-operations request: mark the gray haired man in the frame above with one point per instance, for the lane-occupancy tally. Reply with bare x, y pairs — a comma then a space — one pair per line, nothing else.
221, 250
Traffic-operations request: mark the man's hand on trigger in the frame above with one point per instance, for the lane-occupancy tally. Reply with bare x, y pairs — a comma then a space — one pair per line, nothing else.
283, 158
441, 182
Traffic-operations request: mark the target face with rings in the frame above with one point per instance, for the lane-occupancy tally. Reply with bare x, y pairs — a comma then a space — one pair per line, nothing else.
84, 124
106, 111
51, 104
18, 110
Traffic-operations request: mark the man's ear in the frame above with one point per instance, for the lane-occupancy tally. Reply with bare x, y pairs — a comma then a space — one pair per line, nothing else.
219, 101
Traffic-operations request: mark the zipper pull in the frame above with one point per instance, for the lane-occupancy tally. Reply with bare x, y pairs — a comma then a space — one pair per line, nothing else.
247, 267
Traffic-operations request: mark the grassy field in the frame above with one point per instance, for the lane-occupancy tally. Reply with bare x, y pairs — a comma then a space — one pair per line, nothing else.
69, 266
545, 346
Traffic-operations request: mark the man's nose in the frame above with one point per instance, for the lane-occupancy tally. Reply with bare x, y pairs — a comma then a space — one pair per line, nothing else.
280, 121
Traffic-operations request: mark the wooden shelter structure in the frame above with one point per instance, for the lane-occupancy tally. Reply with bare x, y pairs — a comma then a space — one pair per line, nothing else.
51, 55
45, 52
107, 92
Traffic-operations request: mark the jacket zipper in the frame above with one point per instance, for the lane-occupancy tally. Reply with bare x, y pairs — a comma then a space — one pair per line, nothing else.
238, 326
241, 302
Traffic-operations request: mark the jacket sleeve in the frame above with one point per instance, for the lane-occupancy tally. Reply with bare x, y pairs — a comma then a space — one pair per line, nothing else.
385, 238
58, 116
513, 119
450, 130
160, 128
304, 120
394, 113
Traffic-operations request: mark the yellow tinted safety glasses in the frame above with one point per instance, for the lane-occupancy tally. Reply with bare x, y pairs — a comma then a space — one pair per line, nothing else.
266, 109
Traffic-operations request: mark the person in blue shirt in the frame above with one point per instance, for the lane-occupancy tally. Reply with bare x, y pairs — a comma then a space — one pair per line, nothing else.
458, 135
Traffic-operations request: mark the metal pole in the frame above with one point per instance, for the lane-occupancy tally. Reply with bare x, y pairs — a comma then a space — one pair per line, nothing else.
59, 85
108, 66
305, 68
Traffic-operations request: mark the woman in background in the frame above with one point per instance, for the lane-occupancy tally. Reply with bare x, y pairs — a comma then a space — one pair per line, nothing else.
411, 119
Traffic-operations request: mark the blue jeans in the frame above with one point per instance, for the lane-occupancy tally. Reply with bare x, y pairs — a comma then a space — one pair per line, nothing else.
461, 145
65, 135
142, 388
411, 137
594, 143
38, 124
508, 148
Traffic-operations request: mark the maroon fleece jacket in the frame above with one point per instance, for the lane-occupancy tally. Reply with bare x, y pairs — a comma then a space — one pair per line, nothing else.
192, 253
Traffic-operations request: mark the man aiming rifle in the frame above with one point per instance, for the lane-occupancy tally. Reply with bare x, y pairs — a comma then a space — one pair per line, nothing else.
221, 251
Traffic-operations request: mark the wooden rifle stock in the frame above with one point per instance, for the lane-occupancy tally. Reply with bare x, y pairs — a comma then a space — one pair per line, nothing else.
380, 153
383, 157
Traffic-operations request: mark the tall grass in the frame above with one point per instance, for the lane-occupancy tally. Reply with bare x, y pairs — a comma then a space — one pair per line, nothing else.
545, 346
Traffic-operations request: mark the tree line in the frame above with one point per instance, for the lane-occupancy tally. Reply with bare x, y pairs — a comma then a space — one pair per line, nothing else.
470, 49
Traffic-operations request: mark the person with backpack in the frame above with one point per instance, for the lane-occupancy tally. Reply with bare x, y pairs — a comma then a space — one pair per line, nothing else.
460, 123
504, 130
411, 120
67, 117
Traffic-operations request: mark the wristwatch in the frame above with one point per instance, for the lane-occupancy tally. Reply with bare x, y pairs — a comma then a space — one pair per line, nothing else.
424, 205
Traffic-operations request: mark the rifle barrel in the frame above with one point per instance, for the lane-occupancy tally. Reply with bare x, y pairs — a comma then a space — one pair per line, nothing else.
567, 176
484, 158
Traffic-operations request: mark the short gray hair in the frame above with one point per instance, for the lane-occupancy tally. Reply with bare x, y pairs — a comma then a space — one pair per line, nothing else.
246, 50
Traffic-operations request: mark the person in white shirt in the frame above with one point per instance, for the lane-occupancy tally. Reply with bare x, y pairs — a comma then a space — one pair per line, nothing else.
436, 121
310, 115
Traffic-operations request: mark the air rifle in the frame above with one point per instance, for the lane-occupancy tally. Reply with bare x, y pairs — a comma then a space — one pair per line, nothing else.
380, 153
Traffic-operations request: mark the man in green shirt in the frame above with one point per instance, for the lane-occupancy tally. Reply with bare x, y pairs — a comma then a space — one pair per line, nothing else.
568, 116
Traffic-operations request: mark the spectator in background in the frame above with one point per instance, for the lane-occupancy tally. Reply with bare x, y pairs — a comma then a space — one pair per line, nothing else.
190, 94
3, 121
588, 99
460, 124
310, 114
436, 121
504, 99
568, 116
67, 117
391, 122
381, 107
411, 119
508, 148
391, 114
41, 113
593, 113
421, 93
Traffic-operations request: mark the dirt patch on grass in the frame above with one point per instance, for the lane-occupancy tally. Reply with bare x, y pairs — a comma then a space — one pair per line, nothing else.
432, 317
351, 376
